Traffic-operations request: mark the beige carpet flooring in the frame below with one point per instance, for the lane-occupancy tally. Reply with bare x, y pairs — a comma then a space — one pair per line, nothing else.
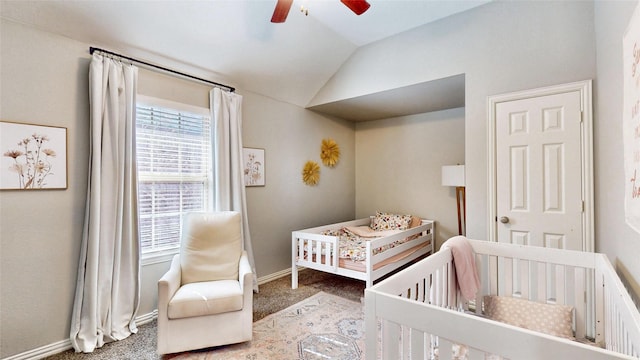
273, 297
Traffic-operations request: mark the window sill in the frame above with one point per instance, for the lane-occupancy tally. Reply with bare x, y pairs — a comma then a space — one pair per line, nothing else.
157, 257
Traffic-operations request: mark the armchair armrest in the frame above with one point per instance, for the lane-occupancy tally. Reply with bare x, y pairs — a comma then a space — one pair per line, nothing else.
168, 284
245, 274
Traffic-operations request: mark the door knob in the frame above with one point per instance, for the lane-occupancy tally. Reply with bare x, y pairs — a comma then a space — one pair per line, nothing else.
504, 219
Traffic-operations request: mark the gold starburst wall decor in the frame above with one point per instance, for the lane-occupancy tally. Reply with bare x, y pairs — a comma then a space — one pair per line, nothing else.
329, 152
311, 173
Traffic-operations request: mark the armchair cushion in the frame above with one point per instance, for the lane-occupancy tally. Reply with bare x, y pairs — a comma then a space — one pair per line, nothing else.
206, 298
211, 246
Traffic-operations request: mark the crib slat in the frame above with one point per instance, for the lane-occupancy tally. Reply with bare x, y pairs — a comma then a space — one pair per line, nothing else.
441, 285
607, 321
481, 263
390, 334
405, 342
451, 287
573, 292
590, 283
541, 296
445, 284
436, 289
580, 308
618, 330
417, 349
558, 293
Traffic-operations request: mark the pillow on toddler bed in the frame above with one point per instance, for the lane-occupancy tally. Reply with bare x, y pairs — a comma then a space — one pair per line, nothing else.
386, 221
550, 319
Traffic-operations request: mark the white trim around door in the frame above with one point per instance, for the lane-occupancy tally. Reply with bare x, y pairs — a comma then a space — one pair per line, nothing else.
584, 87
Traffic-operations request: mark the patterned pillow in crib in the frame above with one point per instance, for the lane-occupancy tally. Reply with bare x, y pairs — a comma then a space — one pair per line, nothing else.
550, 319
386, 221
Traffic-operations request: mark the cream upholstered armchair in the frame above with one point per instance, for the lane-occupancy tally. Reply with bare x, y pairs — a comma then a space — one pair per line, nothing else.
206, 297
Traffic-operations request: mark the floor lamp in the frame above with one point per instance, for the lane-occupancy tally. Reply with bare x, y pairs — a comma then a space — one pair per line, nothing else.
453, 175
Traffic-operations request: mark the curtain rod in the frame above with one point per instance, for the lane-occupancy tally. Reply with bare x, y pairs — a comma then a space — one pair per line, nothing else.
94, 49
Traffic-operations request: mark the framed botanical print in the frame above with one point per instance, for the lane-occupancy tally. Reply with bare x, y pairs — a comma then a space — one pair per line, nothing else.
254, 169
34, 157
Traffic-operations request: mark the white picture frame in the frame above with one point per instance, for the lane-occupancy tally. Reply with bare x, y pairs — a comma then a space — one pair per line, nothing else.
34, 157
254, 166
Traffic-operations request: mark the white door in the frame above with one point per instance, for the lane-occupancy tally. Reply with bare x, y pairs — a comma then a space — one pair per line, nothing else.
539, 171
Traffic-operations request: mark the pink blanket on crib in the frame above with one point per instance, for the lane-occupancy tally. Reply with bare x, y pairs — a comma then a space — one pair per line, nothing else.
465, 263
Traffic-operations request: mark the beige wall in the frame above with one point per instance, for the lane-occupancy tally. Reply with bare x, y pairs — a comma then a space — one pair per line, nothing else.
398, 167
43, 80
173, 88
613, 236
290, 136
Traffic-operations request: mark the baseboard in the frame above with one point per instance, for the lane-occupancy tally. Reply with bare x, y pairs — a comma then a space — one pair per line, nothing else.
274, 276
64, 345
43, 351
147, 318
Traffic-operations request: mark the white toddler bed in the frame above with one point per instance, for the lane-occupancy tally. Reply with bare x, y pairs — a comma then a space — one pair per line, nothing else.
376, 256
419, 313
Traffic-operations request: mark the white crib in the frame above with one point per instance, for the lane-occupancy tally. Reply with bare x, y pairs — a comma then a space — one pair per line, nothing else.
418, 313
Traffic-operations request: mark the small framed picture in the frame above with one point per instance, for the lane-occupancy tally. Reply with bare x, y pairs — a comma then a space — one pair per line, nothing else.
254, 170
34, 157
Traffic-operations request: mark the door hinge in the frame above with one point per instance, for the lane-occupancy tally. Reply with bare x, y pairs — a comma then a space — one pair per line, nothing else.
582, 205
581, 116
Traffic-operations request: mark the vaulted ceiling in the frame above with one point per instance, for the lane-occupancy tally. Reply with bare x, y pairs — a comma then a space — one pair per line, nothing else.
233, 41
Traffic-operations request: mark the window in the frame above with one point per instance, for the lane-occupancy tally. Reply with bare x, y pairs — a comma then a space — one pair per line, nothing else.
174, 170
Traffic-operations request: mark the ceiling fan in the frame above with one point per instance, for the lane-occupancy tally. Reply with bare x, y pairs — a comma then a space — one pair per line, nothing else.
282, 8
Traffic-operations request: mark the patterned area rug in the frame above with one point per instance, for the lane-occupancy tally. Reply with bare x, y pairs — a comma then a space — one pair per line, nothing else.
323, 326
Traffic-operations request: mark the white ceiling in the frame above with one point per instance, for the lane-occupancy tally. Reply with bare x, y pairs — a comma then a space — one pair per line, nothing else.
383, 19
233, 41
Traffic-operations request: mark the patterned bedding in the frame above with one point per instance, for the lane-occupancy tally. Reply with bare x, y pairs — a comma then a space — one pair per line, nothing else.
354, 247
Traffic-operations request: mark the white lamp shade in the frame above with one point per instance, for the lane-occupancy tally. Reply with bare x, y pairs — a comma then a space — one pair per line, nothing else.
453, 175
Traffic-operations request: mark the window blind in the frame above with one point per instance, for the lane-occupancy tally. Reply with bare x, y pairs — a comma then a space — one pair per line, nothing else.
174, 172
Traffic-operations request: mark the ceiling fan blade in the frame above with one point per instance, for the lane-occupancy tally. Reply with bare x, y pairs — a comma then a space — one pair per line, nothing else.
357, 6
281, 11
